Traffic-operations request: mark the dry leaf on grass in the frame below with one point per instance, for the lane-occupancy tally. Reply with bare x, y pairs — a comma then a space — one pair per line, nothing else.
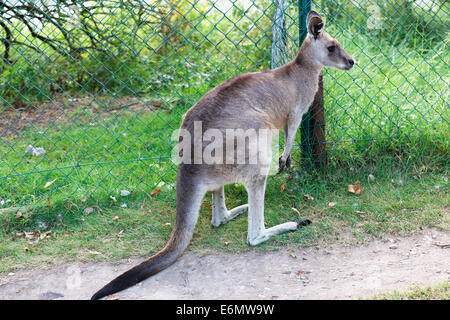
155, 192
49, 183
45, 235
308, 197
95, 252
88, 210
354, 188
299, 272
124, 193
35, 235
283, 186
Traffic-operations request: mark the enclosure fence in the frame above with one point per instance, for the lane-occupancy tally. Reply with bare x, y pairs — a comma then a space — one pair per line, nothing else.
92, 91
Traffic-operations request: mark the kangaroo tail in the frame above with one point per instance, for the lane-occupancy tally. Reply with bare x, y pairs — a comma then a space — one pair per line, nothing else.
189, 197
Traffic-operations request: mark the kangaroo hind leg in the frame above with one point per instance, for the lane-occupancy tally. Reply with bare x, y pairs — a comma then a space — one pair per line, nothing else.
257, 233
220, 214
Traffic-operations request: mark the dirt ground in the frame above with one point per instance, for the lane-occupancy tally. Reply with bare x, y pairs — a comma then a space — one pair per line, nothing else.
60, 110
337, 272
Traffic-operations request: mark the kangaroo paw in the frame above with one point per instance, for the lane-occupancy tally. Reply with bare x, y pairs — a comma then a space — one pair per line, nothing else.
288, 162
284, 163
281, 164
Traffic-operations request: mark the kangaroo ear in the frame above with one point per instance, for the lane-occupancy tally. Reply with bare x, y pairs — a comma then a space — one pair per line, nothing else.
314, 24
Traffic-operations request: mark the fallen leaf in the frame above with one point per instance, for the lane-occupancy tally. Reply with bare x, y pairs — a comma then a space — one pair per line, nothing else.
95, 252
124, 193
294, 209
88, 210
227, 243
45, 235
115, 218
332, 204
283, 186
155, 192
113, 198
159, 185
354, 188
32, 235
18, 214
49, 183
299, 272
34, 151
308, 197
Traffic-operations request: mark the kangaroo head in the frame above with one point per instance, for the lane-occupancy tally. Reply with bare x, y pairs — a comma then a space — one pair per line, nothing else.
326, 50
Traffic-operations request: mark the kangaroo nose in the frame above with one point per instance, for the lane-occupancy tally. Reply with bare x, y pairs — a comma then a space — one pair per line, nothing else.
351, 62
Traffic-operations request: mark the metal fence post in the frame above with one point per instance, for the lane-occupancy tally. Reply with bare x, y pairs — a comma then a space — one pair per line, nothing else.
278, 49
313, 122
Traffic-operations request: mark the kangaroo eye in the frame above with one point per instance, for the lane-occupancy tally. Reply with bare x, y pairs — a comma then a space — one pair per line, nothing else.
331, 48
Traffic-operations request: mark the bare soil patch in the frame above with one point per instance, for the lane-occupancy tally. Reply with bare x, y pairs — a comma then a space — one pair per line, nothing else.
63, 109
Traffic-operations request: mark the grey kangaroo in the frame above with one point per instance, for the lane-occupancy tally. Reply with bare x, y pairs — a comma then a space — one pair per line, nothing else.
272, 100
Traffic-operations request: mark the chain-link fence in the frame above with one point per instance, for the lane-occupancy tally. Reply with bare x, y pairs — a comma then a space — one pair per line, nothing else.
91, 91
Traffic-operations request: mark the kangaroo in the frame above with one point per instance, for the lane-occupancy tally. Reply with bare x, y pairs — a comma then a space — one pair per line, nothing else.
272, 100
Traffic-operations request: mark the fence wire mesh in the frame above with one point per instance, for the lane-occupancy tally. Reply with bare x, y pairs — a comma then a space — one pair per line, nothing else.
92, 91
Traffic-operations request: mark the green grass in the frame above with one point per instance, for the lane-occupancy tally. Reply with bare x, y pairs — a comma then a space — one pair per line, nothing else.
416, 199
439, 291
